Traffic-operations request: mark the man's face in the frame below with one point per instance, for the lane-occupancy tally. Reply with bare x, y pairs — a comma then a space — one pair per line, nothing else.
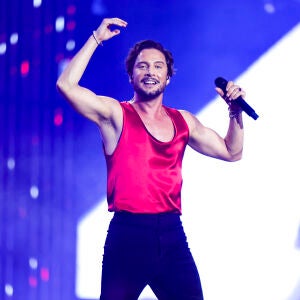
150, 74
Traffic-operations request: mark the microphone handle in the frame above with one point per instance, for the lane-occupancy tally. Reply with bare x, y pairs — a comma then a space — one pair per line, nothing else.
222, 83
246, 108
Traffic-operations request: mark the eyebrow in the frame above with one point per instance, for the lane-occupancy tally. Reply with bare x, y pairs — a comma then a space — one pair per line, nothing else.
156, 62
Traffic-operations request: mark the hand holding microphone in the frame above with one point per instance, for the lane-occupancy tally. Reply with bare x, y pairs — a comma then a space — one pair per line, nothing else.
222, 84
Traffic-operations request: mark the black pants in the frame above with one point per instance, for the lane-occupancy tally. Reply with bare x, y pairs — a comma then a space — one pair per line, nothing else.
148, 249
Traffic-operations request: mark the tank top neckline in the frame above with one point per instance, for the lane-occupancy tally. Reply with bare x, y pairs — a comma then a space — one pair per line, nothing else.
148, 132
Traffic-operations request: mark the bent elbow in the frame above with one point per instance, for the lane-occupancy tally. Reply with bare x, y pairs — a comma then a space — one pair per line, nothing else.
64, 87
61, 86
236, 157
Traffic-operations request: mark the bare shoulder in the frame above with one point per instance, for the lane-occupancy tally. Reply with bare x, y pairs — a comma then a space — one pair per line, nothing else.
190, 119
186, 114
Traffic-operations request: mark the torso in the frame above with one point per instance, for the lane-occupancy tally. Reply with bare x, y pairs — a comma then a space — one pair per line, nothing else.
144, 171
160, 127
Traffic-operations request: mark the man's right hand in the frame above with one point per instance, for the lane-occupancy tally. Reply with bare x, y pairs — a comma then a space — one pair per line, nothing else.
104, 31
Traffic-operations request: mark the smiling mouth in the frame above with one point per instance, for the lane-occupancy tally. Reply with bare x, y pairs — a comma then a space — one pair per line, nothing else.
148, 81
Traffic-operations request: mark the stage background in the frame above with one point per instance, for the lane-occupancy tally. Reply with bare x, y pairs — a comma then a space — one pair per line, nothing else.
242, 219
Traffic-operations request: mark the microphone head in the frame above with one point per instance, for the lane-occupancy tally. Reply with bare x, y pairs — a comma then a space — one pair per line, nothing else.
221, 83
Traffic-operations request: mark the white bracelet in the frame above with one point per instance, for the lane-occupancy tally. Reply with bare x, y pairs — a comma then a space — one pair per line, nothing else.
97, 41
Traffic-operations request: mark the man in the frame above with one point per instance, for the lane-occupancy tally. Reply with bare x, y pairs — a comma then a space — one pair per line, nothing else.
144, 143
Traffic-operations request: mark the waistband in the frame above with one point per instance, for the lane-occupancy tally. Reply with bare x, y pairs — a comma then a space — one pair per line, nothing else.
161, 219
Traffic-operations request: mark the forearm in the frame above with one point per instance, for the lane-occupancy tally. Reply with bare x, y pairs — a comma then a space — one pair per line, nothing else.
71, 76
73, 72
235, 137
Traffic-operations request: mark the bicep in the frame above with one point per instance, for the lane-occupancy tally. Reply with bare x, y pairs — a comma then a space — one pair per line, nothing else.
87, 103
205, 140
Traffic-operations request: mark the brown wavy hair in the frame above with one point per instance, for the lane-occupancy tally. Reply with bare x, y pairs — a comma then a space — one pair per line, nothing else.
148, 44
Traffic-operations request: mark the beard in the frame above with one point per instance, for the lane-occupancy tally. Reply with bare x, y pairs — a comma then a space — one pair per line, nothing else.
149, 95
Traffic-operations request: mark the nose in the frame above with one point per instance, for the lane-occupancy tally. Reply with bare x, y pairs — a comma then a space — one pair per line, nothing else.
150, 70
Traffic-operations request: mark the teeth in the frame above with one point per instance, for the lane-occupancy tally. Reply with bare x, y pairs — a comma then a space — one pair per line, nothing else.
149, 81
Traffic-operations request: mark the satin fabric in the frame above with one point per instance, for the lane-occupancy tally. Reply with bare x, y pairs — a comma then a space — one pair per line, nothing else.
145, 174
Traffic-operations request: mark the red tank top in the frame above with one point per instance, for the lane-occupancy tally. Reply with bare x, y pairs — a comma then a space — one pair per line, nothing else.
144, 174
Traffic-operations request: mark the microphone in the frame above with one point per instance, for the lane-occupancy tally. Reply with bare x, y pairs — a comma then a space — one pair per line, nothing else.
222, 83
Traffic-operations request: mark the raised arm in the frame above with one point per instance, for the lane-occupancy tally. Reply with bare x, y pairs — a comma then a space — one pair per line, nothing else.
104, 111
208, 142
85, 101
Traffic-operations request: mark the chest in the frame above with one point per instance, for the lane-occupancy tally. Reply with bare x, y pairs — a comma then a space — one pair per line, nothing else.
161, 128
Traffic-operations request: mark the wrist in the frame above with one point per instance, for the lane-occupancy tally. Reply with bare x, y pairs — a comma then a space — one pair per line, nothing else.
234, 113
99, 42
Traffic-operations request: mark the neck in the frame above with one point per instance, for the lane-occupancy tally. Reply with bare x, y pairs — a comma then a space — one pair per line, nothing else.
150, 106
137, 98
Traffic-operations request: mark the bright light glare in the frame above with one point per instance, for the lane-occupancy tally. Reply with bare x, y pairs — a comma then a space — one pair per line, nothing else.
9, 290
241, 219
14, 38
11, 163
34, 192
60, 24
2, 48
37, 3
33, 263
70, 45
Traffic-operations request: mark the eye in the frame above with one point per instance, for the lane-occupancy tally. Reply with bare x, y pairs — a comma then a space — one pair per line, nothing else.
142, 66
158, 66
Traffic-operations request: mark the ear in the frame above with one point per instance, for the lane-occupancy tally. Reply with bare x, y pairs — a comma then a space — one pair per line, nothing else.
130, 79
168, 79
